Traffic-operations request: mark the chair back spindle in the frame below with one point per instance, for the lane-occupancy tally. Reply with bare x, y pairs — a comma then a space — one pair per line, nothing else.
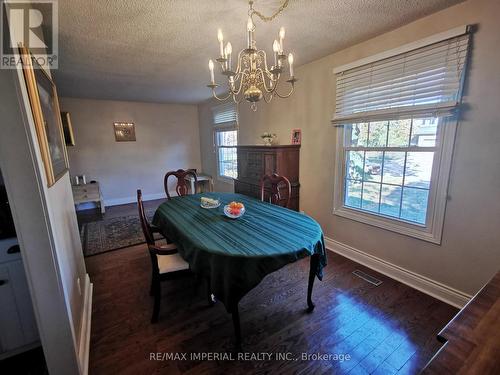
146, 228
271, 188
182, 187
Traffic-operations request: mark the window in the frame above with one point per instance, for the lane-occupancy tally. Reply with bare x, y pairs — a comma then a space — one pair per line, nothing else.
396, 121
225, 119
225, 140
389, 167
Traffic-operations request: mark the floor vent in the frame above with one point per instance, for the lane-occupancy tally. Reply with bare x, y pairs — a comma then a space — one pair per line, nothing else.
367, 277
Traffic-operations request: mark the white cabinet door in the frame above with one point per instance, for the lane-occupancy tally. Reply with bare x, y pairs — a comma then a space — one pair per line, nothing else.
23, 301
17, 321
11, 336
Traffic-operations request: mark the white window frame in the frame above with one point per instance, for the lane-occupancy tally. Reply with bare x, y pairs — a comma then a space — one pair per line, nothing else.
350, 111
225, 118
431, 231
222, 128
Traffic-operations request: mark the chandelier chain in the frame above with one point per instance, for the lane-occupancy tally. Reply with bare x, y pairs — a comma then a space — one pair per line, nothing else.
264, 18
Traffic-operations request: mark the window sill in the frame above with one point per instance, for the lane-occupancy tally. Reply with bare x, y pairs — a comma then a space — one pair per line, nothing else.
421, 232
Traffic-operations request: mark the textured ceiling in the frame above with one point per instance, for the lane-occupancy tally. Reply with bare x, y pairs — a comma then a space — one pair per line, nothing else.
158, 50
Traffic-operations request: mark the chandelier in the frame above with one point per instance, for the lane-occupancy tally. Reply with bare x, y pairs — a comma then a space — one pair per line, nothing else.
251, 78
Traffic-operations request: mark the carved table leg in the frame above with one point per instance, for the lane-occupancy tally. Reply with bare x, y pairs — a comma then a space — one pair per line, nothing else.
312, 276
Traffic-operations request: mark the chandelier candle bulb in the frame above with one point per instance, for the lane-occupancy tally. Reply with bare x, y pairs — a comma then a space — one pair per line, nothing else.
220, 37
211, 68
276, 49
290, 63
282, 36
229, 51
250, 32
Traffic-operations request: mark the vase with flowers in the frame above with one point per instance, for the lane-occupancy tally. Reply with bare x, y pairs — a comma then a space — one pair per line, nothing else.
268, 138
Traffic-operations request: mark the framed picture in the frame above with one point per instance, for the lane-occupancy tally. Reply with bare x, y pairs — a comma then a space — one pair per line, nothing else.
124, 131
67, 129
296, 136
47, 116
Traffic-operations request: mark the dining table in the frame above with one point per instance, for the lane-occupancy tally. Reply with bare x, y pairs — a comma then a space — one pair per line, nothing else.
234, 255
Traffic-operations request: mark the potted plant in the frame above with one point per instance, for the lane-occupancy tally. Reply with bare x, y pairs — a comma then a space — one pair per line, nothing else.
268, 138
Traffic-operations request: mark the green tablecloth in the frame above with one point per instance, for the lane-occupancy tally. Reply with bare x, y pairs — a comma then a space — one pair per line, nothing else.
236, 254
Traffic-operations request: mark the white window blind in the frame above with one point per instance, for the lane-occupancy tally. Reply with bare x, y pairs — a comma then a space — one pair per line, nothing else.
422, 81
225, 114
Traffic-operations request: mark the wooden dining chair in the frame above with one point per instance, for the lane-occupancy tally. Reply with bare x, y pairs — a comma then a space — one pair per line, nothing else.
272, 188
182, 187
165, 260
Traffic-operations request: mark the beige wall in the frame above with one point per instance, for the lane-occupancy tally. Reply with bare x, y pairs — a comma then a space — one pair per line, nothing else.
167, 138
470, 253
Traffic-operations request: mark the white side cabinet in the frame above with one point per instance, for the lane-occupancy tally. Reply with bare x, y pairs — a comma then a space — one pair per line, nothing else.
18, 330
88, 193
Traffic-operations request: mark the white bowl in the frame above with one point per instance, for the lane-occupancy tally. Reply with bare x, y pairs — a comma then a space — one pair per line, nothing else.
231, 216
203, 205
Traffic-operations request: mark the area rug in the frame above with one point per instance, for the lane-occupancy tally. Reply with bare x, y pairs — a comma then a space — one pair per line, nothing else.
112, 233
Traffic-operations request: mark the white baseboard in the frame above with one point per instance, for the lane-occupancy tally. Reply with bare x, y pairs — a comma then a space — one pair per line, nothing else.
422, 283
84, 347
125, 200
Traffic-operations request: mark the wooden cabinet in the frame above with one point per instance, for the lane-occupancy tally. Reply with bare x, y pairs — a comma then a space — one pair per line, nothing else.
18, 330
256, 161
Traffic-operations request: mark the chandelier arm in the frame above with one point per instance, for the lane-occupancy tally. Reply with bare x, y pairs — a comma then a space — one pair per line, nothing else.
238, 67
261, 73
264, 58
239, 100
269, 97
286, 95
214, 94
268, 73
242, 75
275, 82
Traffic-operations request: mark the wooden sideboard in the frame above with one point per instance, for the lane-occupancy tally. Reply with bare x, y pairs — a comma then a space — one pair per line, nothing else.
256, 161
471, 340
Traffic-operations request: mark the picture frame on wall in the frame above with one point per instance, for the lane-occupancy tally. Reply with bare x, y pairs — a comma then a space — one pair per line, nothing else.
124, 131
296, 136
67, 126
44, 104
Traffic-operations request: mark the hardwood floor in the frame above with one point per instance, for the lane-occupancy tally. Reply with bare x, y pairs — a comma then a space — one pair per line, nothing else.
473, 336
385, 330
